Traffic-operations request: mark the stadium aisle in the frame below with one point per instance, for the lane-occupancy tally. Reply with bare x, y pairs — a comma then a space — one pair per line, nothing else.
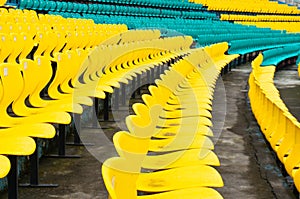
247, 166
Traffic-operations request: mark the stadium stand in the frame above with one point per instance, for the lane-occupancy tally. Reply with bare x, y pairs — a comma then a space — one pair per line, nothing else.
69, 53
57, 56
279, 126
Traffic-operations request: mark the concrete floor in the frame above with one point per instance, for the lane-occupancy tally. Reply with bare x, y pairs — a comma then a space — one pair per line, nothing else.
248, 167
287, 82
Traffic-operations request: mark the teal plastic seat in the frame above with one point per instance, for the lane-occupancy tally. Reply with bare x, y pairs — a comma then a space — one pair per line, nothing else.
23, 4
50, 5
59, 6
64, 6
275, 56
35, 5
29, 4
42, 5
70, 7
75, 7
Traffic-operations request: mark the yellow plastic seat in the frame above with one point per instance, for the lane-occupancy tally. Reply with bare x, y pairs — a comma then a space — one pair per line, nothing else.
288, 141
185, 121
296, 179
31, 74
180, 143
2, 2
5, 166
179, 178
16, 141
117, 171
65, 64
189, 193
171, 132
36, 76
39, 130
135, 149
12, 83
16, 145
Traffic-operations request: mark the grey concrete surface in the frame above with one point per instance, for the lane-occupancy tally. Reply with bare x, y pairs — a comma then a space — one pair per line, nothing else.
248, 167
287, 81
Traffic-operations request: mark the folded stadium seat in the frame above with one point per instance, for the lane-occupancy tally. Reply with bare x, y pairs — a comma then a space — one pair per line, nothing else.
126, 71
70, 7
2, 2
113, 172
91, 8
5, 162
143, 178
13, 145
41, 5
129, 121
13, 74
216, 52
76, 7
275, 56
61, 6
296, 179
29, 125
131, 147
23, 4
135, 129
40, 130
80, 8
30, 73
243, 47
288, 140
179, 178
28, 4
291, 162
35, 5
103, 81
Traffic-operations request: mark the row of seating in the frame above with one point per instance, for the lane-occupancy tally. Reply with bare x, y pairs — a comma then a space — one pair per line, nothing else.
249, 6
211, 38
89, 6
275, 56
245, 46
292, 27
170, 9
273, 18
279, 126
64, 49
63, 30
169, 123
186, 26
138, 11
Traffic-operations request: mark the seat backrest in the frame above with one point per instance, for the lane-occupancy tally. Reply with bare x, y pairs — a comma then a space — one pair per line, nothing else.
41, 70
131, 147
12, 85
120, 178
5, 46
2, 2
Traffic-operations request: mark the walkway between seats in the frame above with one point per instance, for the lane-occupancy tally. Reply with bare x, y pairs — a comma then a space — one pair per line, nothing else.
247, 166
